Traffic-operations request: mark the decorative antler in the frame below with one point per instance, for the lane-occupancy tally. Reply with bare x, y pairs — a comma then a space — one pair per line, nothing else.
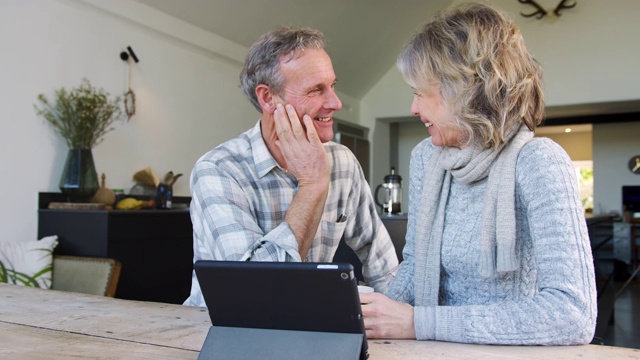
563, 6
540, 13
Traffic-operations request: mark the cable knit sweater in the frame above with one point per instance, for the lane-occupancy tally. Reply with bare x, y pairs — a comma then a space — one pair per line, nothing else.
549, 300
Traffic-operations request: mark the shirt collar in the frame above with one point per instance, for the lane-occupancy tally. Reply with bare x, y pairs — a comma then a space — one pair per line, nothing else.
263, 160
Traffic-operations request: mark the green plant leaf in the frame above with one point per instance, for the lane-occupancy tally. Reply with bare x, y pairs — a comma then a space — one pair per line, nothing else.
3, 273
23, 279
11, 276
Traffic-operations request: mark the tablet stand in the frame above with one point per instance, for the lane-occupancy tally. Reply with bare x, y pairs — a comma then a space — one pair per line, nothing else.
271, 344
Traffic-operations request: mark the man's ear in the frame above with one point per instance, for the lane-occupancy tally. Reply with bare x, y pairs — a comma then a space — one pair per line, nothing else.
265, 98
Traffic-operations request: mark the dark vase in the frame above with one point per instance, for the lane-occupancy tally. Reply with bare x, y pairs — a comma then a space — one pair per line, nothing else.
79, 179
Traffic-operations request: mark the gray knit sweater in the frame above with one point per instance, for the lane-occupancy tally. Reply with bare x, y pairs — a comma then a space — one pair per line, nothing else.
549, 300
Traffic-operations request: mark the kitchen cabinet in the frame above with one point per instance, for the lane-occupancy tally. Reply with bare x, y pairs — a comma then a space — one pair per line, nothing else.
155, 247
355, 138
396, 225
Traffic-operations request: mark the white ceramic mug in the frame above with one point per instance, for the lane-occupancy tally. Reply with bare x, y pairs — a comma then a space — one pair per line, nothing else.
365, 289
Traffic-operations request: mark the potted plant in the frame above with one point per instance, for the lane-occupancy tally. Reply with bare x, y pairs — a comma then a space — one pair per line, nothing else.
82, 116
9, 275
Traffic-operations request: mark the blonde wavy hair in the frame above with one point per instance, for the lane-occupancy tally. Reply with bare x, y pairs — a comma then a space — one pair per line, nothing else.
478, 58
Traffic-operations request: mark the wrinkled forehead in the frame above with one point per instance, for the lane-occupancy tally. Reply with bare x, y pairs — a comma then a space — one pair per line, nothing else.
299, 52
309, 63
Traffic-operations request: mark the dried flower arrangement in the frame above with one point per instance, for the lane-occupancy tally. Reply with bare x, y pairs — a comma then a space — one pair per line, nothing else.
81, 116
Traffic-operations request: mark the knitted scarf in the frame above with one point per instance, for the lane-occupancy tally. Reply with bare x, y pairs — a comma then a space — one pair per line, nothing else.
497, 238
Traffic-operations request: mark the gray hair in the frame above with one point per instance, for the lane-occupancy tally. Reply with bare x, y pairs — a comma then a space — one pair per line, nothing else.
262, 65
478, 58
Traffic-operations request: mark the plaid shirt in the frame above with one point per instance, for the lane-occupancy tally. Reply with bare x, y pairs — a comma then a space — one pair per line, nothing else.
240, 196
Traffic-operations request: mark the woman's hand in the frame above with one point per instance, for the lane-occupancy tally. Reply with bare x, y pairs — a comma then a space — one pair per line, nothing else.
385, 318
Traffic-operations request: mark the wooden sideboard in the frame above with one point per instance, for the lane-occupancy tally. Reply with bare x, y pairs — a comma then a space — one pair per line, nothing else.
155, 247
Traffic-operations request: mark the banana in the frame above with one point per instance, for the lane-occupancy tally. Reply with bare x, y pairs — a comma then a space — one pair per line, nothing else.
129, 204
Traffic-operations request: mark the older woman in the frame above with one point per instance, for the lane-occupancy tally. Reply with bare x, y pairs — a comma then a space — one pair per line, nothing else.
497, 250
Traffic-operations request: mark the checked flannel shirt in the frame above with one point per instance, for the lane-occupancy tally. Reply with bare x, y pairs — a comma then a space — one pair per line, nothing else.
240, 197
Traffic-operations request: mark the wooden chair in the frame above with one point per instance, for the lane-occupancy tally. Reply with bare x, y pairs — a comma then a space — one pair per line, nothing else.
88, 275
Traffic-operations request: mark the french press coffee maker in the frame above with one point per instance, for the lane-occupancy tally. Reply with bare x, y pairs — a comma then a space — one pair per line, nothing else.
392, 185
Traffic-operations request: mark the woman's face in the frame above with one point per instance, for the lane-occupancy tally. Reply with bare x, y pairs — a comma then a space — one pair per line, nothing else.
436, 115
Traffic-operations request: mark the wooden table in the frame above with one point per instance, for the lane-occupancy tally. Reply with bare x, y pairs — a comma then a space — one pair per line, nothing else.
49, 324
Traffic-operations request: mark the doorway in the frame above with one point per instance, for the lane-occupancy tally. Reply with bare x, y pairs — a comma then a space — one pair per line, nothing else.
577, 141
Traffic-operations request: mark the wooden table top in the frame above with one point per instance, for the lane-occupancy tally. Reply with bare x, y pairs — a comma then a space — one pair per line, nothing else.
49, 324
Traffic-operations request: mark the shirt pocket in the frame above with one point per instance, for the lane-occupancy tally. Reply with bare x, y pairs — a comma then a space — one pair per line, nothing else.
331, 232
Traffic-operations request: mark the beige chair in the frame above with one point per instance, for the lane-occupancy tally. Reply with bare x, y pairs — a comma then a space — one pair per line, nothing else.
89, 275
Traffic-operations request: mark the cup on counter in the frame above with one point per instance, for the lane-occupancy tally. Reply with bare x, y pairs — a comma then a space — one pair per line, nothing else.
364, 289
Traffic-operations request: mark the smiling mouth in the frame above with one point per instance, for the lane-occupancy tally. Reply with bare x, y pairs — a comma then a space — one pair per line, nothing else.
322, 119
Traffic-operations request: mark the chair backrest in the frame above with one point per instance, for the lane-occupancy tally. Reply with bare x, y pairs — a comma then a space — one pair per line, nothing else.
89, 275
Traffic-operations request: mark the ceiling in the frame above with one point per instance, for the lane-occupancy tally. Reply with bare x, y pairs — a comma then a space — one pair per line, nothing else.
363, 36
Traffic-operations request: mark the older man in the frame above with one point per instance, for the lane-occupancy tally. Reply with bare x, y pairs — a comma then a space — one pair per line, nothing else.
282, 191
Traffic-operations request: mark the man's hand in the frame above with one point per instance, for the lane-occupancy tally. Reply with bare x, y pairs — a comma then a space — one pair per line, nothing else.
385, 318
306, 159
301, 148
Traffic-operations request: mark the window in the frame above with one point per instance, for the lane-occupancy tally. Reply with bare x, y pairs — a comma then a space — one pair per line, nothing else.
584, 174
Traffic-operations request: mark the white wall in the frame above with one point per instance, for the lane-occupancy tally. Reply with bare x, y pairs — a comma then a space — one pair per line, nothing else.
411, 133
186, 86
389, 99
589, 54
53, 44
613, 146
579, 145
187, 95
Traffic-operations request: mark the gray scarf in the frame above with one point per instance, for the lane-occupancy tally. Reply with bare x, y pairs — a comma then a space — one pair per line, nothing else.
498, 237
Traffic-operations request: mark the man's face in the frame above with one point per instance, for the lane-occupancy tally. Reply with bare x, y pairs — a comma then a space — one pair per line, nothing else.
309, 85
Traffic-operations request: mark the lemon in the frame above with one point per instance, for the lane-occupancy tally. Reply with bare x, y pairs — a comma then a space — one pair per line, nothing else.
129, 204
